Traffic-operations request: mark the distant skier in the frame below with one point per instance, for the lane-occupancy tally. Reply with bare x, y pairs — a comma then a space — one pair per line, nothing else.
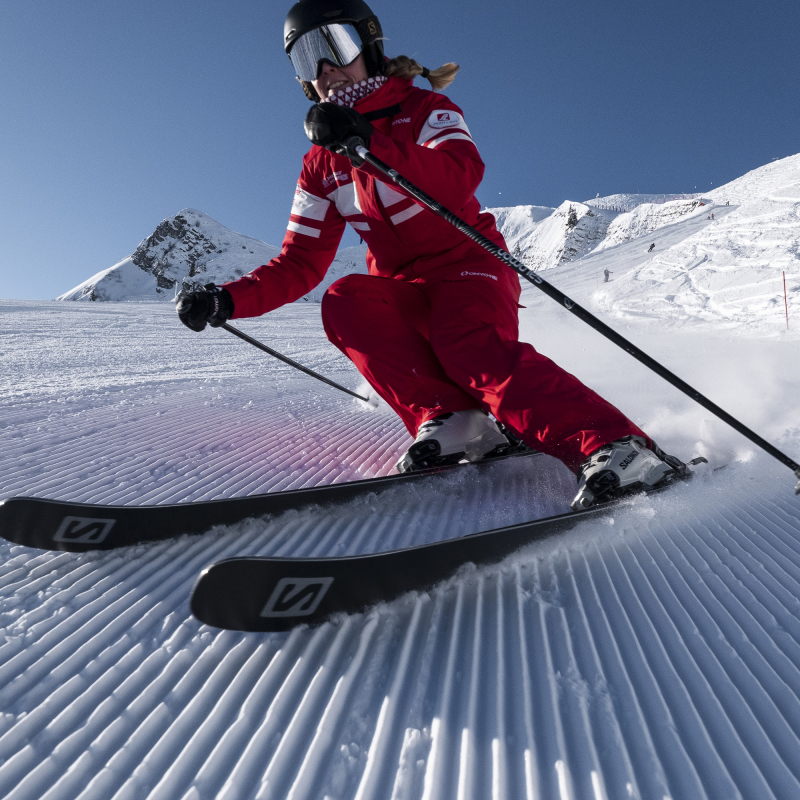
433, 327
712, 216
606, 273
652, 247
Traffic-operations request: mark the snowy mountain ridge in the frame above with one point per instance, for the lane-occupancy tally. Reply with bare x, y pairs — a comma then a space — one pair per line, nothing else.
192, 249
624, 202
714, 257
573, 230
647, 218
570, 232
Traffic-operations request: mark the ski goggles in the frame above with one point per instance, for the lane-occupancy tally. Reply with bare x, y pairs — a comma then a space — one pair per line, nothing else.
338, 44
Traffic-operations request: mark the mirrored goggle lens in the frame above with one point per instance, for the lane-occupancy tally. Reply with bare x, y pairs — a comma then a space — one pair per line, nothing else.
339, 44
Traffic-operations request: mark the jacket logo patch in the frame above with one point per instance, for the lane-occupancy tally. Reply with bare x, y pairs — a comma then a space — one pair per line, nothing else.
337, 176
479, 275
444, 119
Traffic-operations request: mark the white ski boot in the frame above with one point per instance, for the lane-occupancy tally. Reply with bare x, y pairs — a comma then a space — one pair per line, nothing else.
623, 467
460, 435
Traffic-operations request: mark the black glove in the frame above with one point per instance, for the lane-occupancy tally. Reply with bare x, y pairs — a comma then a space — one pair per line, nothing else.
210, 306
338, 129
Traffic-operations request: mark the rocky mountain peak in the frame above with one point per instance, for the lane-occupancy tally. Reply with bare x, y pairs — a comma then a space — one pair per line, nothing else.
189, 250
177, 248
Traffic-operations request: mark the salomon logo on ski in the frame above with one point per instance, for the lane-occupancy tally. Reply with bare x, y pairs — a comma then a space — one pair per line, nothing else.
627, 461
296, 597
83, 530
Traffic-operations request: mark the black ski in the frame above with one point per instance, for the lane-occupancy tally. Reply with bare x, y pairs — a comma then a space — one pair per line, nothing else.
278, 594
78, 527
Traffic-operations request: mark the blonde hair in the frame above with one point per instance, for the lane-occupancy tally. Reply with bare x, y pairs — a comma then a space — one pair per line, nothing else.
405, 67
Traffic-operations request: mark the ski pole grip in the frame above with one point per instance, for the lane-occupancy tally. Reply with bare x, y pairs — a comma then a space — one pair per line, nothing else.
352, 146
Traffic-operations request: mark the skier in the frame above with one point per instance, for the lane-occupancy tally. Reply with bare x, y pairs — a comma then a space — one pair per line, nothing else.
652, 247
606, 273
433, 327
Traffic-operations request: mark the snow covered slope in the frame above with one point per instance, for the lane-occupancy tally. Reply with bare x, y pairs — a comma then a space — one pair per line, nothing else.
726, 272
654, 654
193, 249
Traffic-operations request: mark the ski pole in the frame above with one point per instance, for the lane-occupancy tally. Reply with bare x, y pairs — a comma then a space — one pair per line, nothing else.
287, 360
572, 306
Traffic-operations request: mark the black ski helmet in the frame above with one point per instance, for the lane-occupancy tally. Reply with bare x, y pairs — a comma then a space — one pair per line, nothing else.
306, 15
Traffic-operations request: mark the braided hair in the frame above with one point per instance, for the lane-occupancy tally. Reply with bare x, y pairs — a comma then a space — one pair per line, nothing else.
405, 67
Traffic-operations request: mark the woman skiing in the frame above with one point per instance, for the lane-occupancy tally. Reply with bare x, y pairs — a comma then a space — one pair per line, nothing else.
433, 327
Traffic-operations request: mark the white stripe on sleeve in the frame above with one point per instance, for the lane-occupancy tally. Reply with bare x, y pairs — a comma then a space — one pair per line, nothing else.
437, 142
308, 205
346, 199
297, 228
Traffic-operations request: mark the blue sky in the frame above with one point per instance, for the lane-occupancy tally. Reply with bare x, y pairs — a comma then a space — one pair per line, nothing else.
117, 115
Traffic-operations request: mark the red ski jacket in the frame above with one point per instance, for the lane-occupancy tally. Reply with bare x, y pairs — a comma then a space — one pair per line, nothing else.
426, 141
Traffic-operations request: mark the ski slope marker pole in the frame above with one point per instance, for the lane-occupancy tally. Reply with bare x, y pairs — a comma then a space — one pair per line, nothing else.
287, 360
571, 306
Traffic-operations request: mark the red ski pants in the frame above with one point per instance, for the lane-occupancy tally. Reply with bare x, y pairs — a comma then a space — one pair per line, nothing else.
449, 343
